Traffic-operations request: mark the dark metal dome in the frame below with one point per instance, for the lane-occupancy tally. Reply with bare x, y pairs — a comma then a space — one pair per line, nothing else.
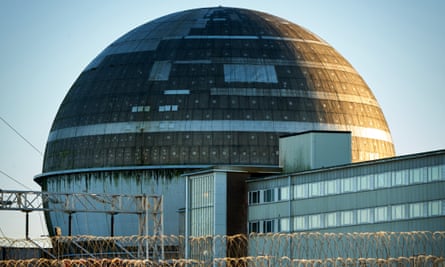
211, 86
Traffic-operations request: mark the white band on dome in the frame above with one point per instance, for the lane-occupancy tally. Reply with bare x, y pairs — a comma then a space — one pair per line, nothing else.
213, 126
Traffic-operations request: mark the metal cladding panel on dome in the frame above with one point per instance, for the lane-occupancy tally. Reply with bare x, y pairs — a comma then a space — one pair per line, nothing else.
211, 86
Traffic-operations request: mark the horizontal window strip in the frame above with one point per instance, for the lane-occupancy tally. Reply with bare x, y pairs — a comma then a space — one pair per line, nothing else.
267, 61
213, 126
177, 92
250, 73
293, 93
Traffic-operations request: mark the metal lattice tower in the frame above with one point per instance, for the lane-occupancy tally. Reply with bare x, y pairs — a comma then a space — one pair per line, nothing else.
149, 209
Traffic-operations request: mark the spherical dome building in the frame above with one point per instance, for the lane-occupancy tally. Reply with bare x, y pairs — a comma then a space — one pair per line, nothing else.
198, 88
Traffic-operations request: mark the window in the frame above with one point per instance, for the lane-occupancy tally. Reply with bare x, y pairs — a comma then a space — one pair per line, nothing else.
348, 185
365, 183
177, 92
347, 217
268, 226
283, 226
416, 176
381, 214
160, 71
254, 227
254, 197
300, 223
398, 212
249, 73
315, 189
268, 195
283, 193
140, 109
314, 221
301, 191
382, 180
400, 178
416, 210
364, 216
435, 173
331, 187
435, 208
331, 219
165, 108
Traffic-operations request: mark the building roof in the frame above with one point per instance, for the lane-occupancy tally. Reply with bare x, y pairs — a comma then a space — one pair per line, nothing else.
211, 86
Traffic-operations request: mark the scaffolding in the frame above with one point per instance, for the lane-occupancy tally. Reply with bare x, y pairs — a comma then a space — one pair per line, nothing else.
148, 208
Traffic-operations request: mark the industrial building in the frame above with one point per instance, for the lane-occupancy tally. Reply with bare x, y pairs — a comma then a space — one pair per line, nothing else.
244, 123
196, 89
321, 191
401, 195
398, 194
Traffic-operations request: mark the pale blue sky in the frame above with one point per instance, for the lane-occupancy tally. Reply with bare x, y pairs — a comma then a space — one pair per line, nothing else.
398, 46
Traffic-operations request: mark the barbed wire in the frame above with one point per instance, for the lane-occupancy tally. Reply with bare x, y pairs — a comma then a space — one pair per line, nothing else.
277, 249
260, 261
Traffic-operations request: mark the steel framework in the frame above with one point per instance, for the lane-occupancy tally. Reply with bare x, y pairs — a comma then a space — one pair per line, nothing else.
149, 209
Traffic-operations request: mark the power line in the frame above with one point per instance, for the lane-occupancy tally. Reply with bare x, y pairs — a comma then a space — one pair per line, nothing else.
26, 140
15, 180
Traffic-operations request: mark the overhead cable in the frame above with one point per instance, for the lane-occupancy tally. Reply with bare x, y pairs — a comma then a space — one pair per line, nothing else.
15, 180
19, 134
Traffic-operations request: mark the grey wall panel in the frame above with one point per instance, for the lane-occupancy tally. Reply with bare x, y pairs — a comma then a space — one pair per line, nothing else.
172, 189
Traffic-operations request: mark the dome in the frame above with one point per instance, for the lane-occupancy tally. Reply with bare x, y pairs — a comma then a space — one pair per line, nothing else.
211, 86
